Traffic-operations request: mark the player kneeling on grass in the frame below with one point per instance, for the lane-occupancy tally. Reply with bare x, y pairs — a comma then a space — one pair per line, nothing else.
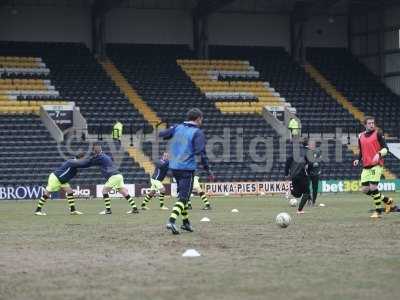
296, 166
58, 180
115, 180
197, 188
373, 148
159, 174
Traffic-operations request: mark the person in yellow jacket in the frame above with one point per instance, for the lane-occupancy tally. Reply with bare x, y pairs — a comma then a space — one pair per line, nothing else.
294, 127
117, 131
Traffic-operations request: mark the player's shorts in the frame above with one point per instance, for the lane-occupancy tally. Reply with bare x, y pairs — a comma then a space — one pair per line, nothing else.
372, 174
184, 182
115, 182
196, 184
54, 185
156, 185
300, 186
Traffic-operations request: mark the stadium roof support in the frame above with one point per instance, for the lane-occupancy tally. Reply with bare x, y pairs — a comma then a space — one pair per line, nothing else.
200, 14
99, 9
301, 13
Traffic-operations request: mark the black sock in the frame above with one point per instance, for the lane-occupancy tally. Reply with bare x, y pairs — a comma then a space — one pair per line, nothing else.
303, 201
107, 202
41, 202
71, 202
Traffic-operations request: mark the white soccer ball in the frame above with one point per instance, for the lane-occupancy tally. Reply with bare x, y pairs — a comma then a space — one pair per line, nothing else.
283, 220
293, 202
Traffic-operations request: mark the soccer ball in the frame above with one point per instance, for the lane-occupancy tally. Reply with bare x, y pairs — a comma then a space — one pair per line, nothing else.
283, 220
293, 202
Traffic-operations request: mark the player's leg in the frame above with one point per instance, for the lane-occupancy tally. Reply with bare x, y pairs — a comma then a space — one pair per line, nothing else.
303, 186
111, 183
369, 190
53, 185
41, 203
149, 195
161, 197
388, 203
201, 193
184, 180
71, 199
120, 187
314, 185
377, 198
107, 201
188, 189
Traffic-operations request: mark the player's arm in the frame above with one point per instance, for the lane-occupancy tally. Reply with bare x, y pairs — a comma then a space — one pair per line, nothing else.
80, 163
166, 134
95, 161
199, 146
357, 161
382, 142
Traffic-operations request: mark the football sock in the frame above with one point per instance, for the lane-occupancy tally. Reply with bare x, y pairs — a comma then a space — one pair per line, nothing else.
71, 201
303, 201
377, 196
42, 202
203, 197
107, 201
178, 208
185, 215
131, 201
161, 198
146, 200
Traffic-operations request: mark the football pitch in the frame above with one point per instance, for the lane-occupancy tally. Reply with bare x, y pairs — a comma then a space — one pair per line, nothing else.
331, 252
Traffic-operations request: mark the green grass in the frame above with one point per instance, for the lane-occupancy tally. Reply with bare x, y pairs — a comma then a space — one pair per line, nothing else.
335, 252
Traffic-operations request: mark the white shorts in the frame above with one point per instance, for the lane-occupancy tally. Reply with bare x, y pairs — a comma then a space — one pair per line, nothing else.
156, 185
196, 184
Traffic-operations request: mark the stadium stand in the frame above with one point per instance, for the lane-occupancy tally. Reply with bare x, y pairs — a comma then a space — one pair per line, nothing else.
317, 111
154, 73
359, 85
35, 73
80, 78
29, 155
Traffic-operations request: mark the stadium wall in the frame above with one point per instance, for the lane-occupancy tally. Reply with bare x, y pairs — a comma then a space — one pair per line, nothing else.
321, 31
249, 29
365, 43
50, 24
129, 25
125, 25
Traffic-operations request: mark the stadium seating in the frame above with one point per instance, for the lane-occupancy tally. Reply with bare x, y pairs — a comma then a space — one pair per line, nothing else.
40, 73
154, 72
28, 154
359, 85
317, 111
80, 78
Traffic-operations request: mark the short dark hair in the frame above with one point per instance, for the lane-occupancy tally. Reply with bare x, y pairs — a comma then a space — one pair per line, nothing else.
193, 114
366, 118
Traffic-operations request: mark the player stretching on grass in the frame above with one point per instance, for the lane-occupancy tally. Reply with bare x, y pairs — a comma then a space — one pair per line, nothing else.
187, 141
160, 172
115, 180
58, 180
373, 148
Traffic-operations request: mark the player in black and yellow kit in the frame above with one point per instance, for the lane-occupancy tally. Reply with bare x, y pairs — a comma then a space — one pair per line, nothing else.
159, 174
373, 148
197, 188
58, 180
